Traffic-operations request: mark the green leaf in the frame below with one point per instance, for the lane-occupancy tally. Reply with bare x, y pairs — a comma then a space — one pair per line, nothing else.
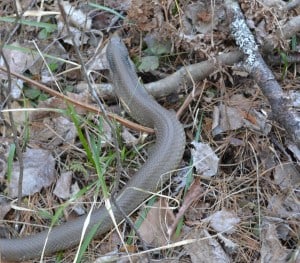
148, 63
43, 97
53, 66
32, 93
157, 47
43, 34
45, 214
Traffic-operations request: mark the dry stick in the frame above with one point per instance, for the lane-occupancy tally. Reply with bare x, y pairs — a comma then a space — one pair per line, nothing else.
293, 57
184, 76
85, 106
189, 74
257, 68
160, 88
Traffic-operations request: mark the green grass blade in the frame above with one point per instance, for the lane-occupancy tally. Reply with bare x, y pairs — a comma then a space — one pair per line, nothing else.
75, 119
10, 159
107, 9
48, 26
96, 148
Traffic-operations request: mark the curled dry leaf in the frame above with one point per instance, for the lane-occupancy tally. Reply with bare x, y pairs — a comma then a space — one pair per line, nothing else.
200, 18
18, 60
284, 206
77, 17
239, 113
80, 23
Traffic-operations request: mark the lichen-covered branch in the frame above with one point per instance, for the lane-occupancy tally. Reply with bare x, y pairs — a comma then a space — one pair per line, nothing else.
282, 112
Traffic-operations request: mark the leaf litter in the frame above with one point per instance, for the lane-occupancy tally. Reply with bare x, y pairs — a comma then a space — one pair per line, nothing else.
259, 202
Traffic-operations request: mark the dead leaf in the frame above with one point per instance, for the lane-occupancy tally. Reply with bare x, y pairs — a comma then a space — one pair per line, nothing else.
240, 113
271, 249
18, 60
223, 221
198, 18
207, 249
193, 194
286, 176
80, 23
53, 131
19, 116
4, 207
129, 138
39, 172
77, 17
63, 184
205, 160
154, 227
78, 207
284, 206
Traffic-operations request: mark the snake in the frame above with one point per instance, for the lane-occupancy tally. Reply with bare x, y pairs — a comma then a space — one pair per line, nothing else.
164, 157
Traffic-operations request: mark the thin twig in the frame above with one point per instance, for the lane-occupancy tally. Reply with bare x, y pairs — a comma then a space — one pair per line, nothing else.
82, 105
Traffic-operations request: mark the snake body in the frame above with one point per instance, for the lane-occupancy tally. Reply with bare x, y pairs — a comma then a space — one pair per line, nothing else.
164, 157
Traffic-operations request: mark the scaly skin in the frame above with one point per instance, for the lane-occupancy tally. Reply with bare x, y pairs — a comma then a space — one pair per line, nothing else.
164, 157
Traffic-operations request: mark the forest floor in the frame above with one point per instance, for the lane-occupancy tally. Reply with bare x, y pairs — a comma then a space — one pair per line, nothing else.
235, 196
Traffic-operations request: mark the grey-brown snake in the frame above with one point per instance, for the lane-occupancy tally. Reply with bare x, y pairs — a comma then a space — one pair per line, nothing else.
163, 158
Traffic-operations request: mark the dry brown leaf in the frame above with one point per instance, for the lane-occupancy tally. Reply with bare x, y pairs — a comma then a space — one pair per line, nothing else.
193, 194
53, 131
129, 138
4, 207
62, 186
271, 250
286, 176
39, 172
154, 227
18, 61
223, 221
205, 160
207, 249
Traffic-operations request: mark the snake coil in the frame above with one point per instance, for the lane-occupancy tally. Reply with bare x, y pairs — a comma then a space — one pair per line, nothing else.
164, 157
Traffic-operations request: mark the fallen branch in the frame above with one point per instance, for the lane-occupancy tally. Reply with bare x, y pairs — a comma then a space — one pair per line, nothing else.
259, 71
289, 29
189, 74
184, 76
